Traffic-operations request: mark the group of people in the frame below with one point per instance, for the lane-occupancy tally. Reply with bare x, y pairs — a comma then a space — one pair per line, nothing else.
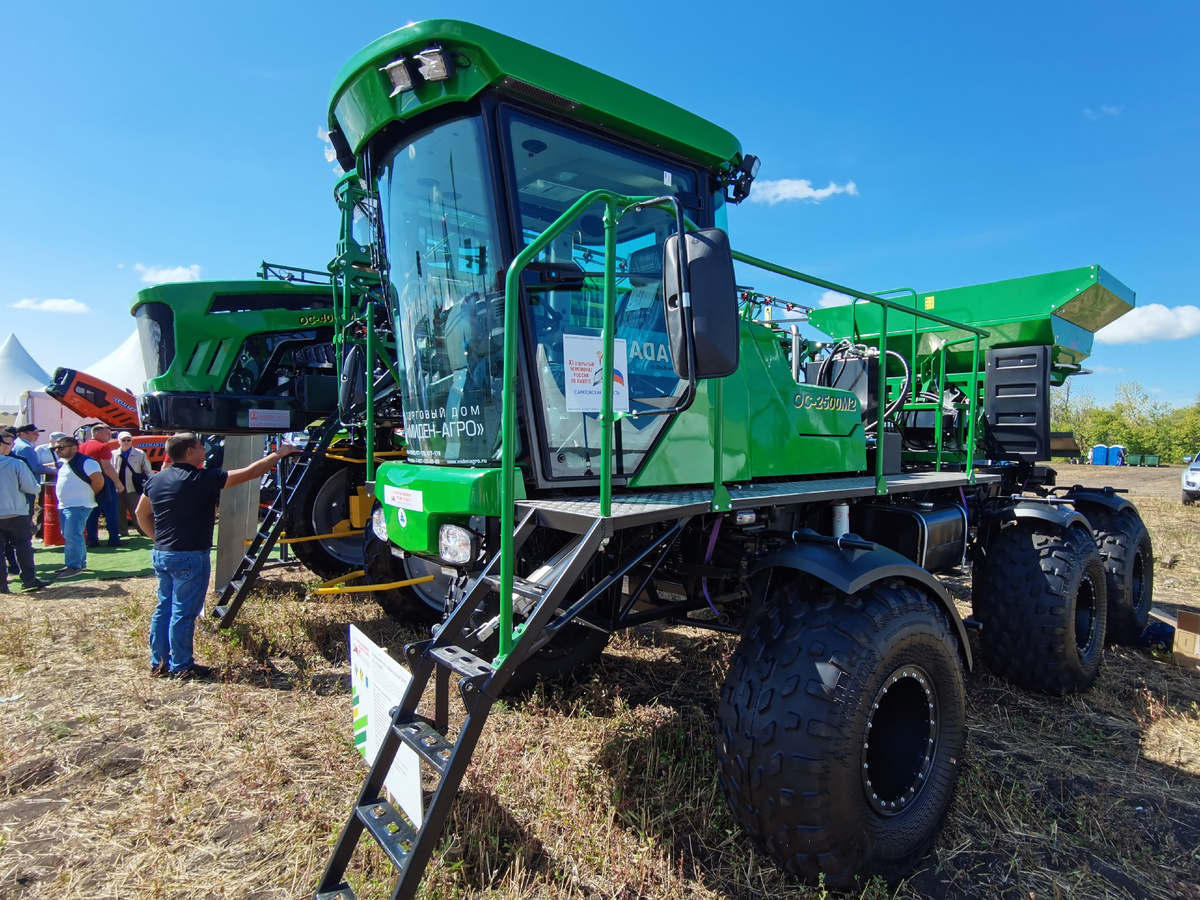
177, 509
90, 480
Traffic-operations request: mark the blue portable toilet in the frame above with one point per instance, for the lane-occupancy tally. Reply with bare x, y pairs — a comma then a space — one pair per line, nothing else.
1100, 455
1116, 455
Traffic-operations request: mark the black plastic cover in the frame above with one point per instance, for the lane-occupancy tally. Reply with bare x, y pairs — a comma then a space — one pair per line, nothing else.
1017, 403
713, 291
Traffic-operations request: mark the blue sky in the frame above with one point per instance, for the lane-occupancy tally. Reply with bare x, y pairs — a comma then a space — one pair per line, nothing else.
166, 141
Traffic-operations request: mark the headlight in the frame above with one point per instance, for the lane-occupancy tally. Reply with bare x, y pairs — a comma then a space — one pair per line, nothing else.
456, 544
379, 523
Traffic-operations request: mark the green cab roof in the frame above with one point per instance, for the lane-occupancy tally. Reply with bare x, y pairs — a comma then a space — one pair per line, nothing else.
359, 105
195, 297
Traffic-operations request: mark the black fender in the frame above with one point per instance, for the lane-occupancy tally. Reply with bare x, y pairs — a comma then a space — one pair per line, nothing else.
1097, 498
852, 570
1060, 515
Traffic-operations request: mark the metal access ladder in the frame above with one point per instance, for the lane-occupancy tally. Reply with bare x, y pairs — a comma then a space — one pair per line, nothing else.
480, 684
244, 577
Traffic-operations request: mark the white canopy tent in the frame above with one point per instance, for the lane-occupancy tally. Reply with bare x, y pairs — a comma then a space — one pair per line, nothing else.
124, 367
19, 372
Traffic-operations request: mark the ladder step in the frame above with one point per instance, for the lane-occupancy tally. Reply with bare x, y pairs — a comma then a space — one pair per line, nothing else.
530, 589
390, 830
341, 892
461, 661
218, 612
422, 737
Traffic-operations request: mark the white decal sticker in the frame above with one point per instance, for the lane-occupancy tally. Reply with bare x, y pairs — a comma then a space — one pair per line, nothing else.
583, 368
402, 518
403, 498
667, 178
270, 418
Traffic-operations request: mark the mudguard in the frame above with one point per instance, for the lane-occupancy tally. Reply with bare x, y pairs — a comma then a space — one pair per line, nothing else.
851, 570
1099, 498
1062, 516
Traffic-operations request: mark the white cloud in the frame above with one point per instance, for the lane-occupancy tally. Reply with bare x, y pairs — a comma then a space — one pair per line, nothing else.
833, 298
773, 192
159, 274
54, 306
1107, 370
1093, 115
1152, 322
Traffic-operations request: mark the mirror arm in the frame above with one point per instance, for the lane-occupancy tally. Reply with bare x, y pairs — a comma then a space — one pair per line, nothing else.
685, 288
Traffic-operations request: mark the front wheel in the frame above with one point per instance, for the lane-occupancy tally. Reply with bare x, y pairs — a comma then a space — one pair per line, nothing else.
840, 729
1188, 499
1042, 599
319, 510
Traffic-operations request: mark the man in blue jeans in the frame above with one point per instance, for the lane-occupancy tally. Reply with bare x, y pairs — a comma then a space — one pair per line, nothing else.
178, 511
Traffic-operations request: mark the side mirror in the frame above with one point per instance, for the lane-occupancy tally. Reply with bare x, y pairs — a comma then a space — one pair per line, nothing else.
710, 325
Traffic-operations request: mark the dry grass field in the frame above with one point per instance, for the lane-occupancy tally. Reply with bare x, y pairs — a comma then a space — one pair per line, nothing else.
114, 784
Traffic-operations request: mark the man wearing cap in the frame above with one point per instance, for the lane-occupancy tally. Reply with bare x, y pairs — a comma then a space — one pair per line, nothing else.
133, 468
178, 510
79, 479
45, 452
24, 448
106, 500
16, 482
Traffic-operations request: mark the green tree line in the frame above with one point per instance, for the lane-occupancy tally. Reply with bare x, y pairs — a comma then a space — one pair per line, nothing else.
1134, 420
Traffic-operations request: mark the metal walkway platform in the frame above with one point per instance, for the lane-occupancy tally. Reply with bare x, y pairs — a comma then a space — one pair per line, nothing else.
633, 510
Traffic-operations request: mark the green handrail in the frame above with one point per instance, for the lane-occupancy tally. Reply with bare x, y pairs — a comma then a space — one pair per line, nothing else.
614, 206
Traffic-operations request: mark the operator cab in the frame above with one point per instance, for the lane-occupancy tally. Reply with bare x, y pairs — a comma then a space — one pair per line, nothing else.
459, 199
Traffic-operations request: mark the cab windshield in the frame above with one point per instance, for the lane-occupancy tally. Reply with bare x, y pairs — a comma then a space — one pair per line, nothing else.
439, 221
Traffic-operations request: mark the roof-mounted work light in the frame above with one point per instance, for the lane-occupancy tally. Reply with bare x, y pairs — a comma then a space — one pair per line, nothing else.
741, 178
400, 75
435, 64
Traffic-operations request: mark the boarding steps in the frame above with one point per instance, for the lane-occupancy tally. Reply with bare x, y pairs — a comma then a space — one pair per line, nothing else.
481, 683
244, 577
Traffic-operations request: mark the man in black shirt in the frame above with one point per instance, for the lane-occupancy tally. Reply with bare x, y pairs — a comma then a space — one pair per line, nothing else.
178, 511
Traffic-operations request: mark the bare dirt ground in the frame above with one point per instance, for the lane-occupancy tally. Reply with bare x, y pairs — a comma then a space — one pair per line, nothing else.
116, 784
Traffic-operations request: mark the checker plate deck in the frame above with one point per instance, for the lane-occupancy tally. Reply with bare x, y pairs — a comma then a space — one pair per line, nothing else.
632, 510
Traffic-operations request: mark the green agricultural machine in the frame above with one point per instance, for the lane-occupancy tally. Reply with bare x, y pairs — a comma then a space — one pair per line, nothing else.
264, 357
603, 429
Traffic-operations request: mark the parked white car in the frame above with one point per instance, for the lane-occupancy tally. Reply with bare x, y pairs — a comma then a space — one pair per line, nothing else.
1191, 482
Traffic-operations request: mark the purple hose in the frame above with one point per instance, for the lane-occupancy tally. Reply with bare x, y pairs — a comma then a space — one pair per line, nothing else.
712, 544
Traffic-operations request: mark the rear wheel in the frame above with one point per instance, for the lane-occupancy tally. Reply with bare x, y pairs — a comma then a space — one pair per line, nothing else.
1125, 548
322, 507
840, 728
1042, 599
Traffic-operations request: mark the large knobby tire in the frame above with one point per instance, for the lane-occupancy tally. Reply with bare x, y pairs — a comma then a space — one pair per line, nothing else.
1188, 499
1042, 600
319, 507
1125, 548
840, 729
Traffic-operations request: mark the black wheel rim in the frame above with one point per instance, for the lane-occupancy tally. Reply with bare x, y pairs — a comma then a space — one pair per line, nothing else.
1085, 617
432, 593
330, 508
901, 740
1137, 583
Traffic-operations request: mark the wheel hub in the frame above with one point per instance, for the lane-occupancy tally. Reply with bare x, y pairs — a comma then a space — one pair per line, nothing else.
901, 740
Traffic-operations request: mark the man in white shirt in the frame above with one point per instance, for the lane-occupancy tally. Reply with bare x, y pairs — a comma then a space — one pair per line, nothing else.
79, 478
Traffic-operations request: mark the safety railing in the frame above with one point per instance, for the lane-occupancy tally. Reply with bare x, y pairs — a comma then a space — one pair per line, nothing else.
615, 205
886, 305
